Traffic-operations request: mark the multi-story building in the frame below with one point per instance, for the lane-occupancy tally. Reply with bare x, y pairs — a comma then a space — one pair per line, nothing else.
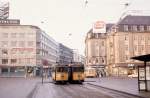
24, 48
65, 54
78, 57
95, 51
129, 37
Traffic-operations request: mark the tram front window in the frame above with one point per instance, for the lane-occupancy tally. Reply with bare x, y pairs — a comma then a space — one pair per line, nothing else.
78, 69
61, 69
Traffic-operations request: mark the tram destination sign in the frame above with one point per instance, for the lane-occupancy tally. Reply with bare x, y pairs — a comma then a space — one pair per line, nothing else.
9, 21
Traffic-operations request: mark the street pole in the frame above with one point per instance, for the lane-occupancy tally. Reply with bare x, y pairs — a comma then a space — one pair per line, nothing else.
42, 74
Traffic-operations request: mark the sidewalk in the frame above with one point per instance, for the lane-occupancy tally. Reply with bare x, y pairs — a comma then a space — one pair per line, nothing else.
122, 84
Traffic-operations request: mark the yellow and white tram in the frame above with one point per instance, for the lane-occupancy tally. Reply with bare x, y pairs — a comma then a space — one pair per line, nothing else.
60, 74
90, 72
76, 73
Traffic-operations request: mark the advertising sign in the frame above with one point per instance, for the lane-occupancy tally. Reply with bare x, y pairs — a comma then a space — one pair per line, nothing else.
99, 27
4, 10
9, 21
141, 74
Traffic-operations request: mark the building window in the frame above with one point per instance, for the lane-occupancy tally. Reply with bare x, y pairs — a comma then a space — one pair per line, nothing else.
96, 35
21, 35
31, 34
134, 28
126, 47
102, 60
102, 43
14, 43
13, 61
30, 43
135, 37
21, 44
96, 60
142, 37
4, 61
135, 47
89, 61
38, 44
126, 28
13, 35
13, 51
4, 70
126, 37
4, 43
5, 35
126, 57
12, 69
4, 52
38, 51
148, 28
141, 28
142, 47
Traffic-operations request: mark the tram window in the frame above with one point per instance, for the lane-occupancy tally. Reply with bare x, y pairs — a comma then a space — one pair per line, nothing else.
78, 69
4, 69
61, 69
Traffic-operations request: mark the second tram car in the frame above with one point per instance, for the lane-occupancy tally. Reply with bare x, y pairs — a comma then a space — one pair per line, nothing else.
60, 74
76, 73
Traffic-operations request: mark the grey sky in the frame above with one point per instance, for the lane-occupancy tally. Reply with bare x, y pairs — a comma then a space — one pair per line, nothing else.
62, 17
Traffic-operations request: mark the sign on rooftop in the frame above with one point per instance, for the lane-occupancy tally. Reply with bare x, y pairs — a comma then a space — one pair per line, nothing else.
4, 10
99, 27
9, 22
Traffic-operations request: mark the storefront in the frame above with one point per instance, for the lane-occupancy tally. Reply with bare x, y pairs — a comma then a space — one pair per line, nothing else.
17, 71
12, 71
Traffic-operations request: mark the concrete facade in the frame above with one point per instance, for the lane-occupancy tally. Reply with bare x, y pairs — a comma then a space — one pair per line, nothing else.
65, 54
78, 57
24, 48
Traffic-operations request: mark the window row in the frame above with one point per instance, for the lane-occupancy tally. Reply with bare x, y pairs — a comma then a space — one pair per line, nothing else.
48, 41
17, 51
138, 28
138, 37
17, 61
17, 35
17, 43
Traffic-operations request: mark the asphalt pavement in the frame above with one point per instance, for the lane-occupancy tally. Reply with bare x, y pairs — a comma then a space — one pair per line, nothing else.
121, 84
117, 87
18, 87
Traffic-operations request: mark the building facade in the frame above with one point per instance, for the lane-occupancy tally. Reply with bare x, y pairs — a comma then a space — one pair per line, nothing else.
95, 50
65, 55
24, 48
78, 57
129, 37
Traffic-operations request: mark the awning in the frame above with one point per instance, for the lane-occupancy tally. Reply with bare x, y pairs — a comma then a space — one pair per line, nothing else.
144, 58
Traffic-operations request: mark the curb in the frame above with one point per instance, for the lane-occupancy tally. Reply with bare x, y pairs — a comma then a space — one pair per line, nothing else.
117, 90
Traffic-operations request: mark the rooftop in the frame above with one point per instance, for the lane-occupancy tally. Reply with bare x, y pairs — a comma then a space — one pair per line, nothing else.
135, 20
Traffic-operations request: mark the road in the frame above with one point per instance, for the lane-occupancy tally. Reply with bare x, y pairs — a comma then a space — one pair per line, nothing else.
50, 90
33, 88
18, 87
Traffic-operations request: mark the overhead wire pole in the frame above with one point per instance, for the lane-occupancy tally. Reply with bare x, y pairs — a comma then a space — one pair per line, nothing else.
86, 3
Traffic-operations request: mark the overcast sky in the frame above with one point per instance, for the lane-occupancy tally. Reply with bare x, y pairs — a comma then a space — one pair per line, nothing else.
68, 21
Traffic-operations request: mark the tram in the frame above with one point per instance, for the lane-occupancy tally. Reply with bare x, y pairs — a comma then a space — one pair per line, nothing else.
90, 72
60, 74
76, 73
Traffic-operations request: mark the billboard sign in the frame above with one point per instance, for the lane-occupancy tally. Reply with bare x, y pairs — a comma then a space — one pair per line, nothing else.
99, 27
4, 10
